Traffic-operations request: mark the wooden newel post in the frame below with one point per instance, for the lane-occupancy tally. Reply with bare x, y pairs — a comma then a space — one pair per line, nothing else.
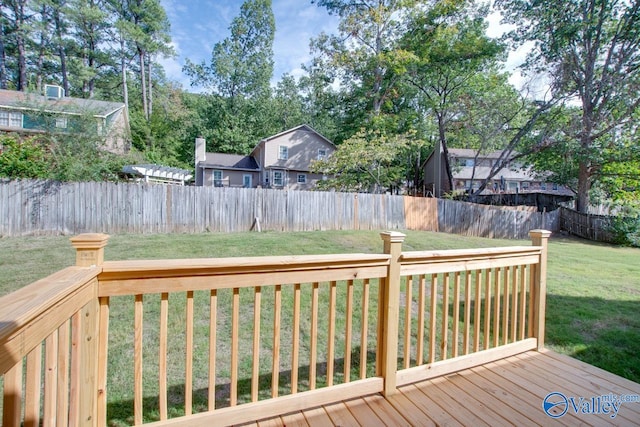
89, 248
90, 339
540, 238
389, 312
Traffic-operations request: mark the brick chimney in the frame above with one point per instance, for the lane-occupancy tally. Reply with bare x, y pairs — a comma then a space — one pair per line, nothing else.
200, 156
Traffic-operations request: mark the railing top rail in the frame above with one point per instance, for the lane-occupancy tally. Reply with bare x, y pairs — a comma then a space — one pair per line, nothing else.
23, 305
468, 254
154, 276
212, 266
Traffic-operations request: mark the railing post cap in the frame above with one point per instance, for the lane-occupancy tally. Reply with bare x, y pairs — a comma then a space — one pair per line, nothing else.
393, 236
90, 241
539, 233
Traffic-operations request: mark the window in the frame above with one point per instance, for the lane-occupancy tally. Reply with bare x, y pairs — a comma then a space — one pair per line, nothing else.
543, 185
217, 178
10, 119
469, 162
302, 178
525, 185
246, 181
322, 154
555, 186
278, 178
283, 152
61, 122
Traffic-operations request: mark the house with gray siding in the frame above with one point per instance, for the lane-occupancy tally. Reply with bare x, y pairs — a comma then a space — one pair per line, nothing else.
279, 161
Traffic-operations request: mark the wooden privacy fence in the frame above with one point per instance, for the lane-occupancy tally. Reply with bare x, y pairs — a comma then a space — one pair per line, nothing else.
471, 219
48, 207
587, 226
39, 207
280, 333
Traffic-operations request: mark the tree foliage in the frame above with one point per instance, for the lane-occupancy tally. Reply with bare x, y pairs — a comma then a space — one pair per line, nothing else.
590, 50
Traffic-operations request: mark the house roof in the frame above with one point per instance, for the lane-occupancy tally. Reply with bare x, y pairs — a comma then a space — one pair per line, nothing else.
11, 99
470, 153
304, 127
229, 161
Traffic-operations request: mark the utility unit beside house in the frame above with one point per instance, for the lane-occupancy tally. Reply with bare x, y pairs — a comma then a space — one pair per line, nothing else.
28, 112
279, 161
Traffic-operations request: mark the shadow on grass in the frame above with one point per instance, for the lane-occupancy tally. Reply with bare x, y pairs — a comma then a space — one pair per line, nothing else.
121, 413
604, 333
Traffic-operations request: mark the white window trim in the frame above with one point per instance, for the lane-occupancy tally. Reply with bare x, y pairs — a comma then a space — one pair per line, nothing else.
304, 178
322, 156
283, 152
62, 123
275, 184
12, 116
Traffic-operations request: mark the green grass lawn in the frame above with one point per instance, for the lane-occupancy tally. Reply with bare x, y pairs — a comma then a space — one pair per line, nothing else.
593, 289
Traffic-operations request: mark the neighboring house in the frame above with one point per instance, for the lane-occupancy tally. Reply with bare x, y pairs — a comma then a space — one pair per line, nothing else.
280, 161
464, 170
25, 112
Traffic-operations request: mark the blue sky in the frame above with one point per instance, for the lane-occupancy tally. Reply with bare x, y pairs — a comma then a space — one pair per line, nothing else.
197, 25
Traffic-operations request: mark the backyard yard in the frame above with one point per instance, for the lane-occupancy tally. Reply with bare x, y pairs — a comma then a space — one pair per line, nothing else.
593, 290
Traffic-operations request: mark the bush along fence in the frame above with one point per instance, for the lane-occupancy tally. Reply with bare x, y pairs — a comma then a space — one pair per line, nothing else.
29, 207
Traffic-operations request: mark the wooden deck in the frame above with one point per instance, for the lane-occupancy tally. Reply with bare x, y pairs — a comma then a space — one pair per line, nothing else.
507, 392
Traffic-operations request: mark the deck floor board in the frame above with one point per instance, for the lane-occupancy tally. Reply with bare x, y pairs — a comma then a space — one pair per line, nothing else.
501, 393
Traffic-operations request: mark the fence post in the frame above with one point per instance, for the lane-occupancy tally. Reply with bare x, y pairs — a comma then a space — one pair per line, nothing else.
389, 312
540, 238
91, 348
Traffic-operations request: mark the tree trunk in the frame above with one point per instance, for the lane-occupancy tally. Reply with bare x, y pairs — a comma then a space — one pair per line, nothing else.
61, 51
123, 72
584, 185
143, 83
3, 59
149, 80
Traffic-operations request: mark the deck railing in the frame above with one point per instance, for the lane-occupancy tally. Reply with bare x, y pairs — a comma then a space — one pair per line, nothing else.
230, 340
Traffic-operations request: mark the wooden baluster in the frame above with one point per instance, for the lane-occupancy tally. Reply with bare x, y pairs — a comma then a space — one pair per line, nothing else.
421, 304
255, 366
235, 327
444, 344
347, 334
213, 317
275, 367
50, 380
188, 380
331, 333
137, 359
523, 302
505, 309
162, 354
467, 312
456, 314
295, 350
365, 329
407, 320
432, 318
514, 302
314, 336
487, 308
496, 303
476, 321
33, 385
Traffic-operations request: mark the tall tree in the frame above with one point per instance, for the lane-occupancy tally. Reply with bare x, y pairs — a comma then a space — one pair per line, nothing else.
590, 50
89, 23
239, 78
16, 17
365, 52
449, 47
